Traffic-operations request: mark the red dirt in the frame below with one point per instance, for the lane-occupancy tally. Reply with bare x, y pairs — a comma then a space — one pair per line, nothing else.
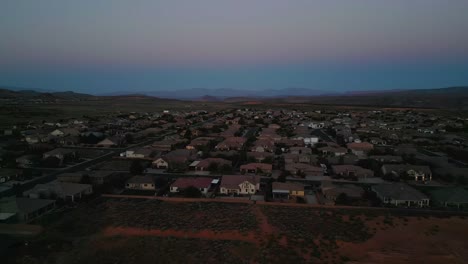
412, 242
203, 234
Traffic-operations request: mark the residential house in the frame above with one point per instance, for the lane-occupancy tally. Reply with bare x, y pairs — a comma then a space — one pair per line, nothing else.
204, 165
263, 145
60, 153
400, 194
201, 183
260, 156
240, 184
331, 191
450, 197
419, 173
347, 159
160, 163
140, 183
352, 171
256, 168
200, 142
387, 158
138, 153
304, 169
165, 145
300, 150
335, 151
72, 177
231, 143
360, 149
62, 132
27, 161
24, 209
292, 142
64, 190
316, 125
297, 158
108, 143
100, 177
378, 141
287, 190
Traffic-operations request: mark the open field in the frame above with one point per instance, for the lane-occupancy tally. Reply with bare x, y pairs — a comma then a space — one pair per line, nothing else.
26, 112
152, 231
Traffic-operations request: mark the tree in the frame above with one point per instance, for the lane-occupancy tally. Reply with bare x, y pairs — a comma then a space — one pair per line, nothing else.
282, 176
213, 166
191, 192
188, 134
342, 199
225, 169
136, 168
85, 179
129, 138
268, 159
51, 162
461, 180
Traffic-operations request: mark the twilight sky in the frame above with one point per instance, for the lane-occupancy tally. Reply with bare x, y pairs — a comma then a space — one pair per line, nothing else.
101, 46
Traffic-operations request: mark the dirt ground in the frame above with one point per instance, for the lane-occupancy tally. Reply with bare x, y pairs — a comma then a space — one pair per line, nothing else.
276, 234
414, 240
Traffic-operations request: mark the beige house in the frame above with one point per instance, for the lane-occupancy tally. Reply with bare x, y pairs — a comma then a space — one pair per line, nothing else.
240, 184
160, 164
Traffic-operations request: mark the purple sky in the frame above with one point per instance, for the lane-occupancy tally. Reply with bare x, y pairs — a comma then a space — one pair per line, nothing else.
107, 45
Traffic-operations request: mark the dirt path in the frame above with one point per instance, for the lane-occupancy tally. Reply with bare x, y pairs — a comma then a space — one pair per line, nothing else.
203, 234
264, 225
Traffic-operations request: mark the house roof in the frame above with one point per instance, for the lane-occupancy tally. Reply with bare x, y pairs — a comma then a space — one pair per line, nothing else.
26, 205
106, 141
59, 151
360, 146
400, 168
399, 191
451, 195
233, 181
198, 182
61, 188
206, 162
253, 166
346, 168
141, 179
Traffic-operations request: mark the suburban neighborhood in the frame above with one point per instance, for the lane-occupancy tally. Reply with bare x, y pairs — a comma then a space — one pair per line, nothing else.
321, 158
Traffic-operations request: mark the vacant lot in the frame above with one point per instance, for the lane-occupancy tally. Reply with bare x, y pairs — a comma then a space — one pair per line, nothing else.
152, 231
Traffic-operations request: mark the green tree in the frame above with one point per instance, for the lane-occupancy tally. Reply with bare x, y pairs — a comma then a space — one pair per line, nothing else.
342, 199
461, 180
213, 166
191, 192
225, 169
136, 168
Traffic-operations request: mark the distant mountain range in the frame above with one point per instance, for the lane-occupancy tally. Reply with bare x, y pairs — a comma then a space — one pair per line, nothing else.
443, 98
219, 94
39, 95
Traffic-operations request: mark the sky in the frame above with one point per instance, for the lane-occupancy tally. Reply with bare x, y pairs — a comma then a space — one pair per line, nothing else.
104, 46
